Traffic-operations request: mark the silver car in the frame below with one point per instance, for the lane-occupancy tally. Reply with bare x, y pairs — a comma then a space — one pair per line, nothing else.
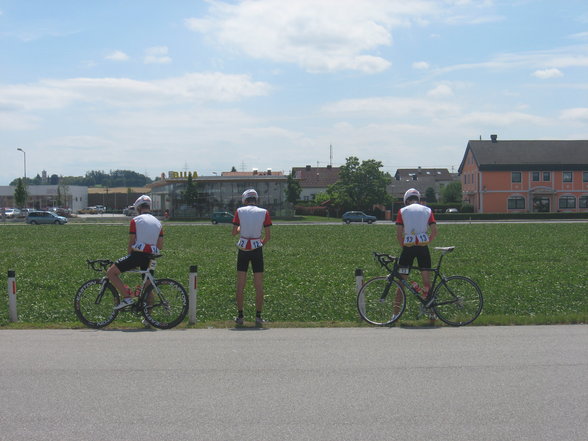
45, 217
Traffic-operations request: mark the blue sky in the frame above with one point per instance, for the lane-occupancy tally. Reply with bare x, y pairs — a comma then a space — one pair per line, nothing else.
154, 86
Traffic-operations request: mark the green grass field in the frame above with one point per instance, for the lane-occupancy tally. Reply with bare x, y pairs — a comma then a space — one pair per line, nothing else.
529, 273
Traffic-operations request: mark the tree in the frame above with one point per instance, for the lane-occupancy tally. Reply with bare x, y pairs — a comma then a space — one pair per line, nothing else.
452, 192
293, 189
20, 193
191, 192
430, 195
360, 185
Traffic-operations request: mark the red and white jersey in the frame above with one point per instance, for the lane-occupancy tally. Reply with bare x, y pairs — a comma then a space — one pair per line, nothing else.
416, 219
252, 219
148, 230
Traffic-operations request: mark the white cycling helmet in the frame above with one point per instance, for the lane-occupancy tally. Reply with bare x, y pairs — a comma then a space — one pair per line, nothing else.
248, 194
411, 193
142, 200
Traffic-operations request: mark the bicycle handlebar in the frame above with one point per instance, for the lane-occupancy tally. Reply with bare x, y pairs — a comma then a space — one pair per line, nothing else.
385, 259
102, 263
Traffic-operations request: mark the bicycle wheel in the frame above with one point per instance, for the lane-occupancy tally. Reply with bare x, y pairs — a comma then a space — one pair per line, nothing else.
381, 301
94, 303
458, 300
166, 305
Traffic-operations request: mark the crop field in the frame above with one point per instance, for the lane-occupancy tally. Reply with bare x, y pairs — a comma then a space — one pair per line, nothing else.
529, 273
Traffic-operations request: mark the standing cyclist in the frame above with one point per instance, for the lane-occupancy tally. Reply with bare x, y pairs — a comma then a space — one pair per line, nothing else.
413, 223
145, 239
249, 221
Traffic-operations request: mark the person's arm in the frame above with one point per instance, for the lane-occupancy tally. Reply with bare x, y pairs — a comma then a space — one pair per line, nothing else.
433, 234
160, 242
266, 236
132, 239
236, 230
400, 234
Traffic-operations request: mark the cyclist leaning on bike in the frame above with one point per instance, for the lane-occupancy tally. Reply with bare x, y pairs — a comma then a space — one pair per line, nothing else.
413, 223
145, 239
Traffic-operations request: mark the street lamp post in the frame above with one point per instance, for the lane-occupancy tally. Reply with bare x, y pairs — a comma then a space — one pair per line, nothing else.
25, 162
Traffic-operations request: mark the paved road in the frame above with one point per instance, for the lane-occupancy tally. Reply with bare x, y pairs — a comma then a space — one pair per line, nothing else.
476, 383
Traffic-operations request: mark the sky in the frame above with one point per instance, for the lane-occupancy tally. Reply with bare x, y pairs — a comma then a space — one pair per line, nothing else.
155, 86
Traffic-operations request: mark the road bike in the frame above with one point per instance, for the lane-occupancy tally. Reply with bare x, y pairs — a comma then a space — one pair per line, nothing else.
162, 302
456, 300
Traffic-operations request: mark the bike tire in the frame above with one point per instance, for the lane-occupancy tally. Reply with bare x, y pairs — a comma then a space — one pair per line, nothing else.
377, 310
167, 306
94, 305
458, 300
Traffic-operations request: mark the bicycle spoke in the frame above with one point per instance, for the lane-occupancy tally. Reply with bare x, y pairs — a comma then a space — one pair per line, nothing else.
94, 303
166, 304
381, 302
458, 301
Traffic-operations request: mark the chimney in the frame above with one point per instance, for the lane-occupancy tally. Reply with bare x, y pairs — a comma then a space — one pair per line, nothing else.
308, 168
494, 138
269, 171
254, 171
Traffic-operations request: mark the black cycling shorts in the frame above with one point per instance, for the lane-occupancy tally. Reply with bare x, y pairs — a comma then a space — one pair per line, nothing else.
132, 261
254, 256
422, 254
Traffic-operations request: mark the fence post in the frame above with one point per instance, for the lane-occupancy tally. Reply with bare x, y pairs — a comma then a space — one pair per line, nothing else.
193, 294
358, 279
11, 290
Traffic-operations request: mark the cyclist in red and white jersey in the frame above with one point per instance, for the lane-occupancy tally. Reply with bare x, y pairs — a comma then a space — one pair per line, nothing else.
416, 227
145, 239
249, 222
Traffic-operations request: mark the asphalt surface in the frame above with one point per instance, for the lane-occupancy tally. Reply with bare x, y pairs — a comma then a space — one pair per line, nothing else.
472, 383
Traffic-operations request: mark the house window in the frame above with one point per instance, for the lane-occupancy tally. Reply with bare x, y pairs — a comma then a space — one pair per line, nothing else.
547, 176
583, 201
567, 176
516, 177
567, 202
535, 177
585, 177
516, 203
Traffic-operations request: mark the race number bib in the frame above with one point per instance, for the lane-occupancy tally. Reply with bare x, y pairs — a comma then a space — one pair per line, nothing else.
249, 244
409, 240
416, 239
423, 238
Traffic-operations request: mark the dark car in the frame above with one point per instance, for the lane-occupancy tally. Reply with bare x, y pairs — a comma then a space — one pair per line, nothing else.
45, 217
221, 217
358, 216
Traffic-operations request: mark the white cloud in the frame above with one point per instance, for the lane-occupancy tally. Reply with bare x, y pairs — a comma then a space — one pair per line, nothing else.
579, 114
546, 74
117, 56
440, 91
420, 65
391, 107
323, 36
157, 55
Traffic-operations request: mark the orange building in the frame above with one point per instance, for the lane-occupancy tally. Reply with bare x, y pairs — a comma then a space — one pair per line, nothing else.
525, 176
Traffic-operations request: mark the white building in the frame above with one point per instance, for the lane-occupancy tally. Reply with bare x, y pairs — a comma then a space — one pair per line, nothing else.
41, 197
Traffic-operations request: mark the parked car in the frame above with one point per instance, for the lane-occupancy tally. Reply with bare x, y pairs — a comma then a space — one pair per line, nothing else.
45, 217
129, 211
221, 217
358, 216
100, 209
11, 213
452, 210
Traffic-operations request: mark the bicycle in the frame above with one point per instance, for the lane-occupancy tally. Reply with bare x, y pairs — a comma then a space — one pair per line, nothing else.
456, 300
162, 302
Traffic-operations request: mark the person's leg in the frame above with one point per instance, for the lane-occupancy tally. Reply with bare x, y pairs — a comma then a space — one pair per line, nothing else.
241, 281
113, 275
258, 283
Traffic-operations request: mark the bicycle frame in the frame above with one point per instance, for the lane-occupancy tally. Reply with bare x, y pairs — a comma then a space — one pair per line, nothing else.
395, 273
147, 276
